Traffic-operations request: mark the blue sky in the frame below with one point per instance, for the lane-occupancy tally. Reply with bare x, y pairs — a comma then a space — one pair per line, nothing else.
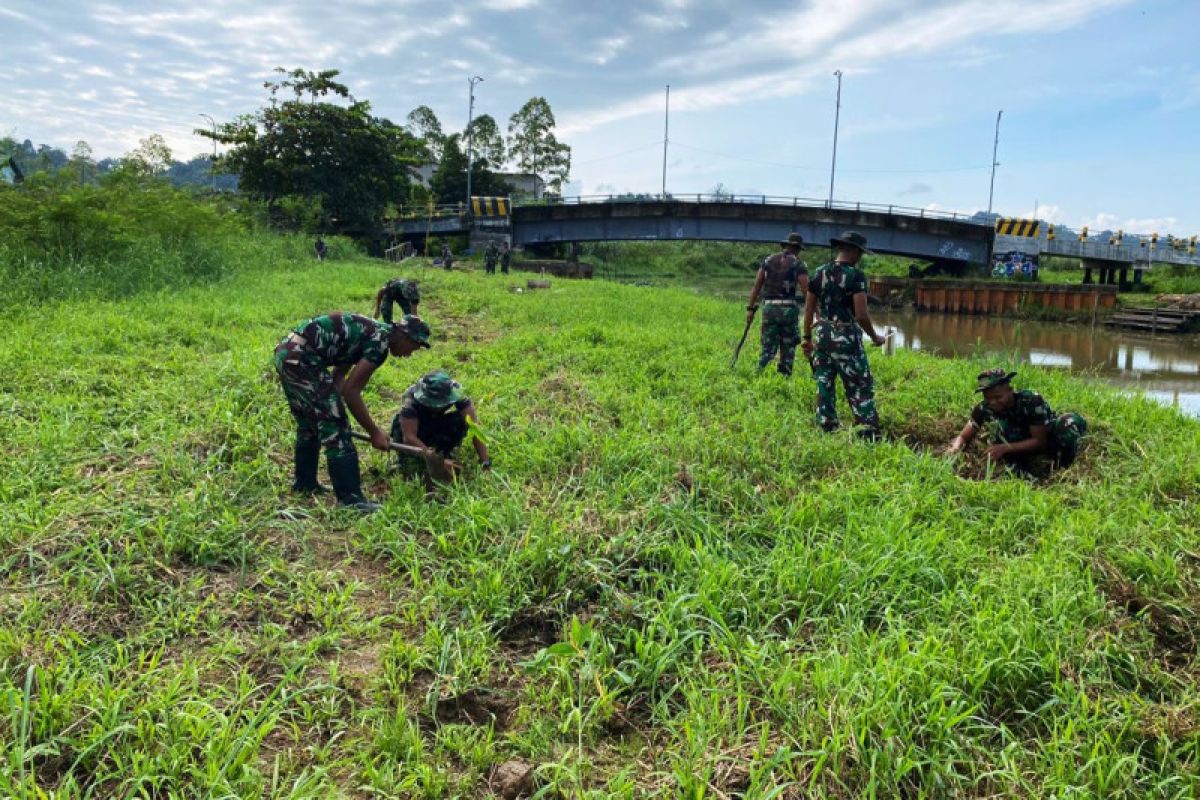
1101, 98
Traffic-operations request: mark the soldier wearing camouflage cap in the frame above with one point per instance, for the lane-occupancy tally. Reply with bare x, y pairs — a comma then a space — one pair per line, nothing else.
838, 292
1021, 425
490, 255
778, 278
323, 365
401, 291
434, 418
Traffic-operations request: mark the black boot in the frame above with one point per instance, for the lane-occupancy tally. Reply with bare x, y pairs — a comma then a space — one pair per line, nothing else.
308, 455
347, 483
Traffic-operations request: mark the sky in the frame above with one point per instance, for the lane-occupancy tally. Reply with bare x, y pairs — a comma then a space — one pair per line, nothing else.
1100, 98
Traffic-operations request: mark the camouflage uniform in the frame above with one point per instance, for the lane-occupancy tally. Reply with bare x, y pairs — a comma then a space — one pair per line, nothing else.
439, 407
505, 259
1065, 432
781, 314
447, 257
302, 361
838, 347
401, 291
489, 258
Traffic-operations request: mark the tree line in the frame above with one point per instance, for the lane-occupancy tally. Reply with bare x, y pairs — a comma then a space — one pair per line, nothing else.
318, 159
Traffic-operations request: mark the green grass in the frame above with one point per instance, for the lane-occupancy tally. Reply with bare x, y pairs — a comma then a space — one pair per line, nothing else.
671, 585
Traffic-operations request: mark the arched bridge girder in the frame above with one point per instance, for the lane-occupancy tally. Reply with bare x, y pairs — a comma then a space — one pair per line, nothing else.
933, 239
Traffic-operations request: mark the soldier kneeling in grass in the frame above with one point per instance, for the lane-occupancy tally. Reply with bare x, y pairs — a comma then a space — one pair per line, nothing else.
1021, 426
434, 418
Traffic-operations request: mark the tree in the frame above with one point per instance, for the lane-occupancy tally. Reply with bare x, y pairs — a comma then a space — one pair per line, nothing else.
151, 157
82, 166
486, 141
449, 181
534, 147
308, 151
424, 124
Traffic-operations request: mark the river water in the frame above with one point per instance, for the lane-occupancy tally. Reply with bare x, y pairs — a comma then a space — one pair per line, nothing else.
1166, 368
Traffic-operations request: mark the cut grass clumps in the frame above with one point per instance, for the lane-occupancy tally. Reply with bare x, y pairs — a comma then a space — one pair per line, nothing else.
671, 584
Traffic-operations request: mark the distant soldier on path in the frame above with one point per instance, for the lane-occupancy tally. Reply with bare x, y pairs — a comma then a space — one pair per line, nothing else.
778, 278
838, 292
490, 256
434, 417
321, 249
401, 291
1020, 425
505, 258
447, 257
323, 365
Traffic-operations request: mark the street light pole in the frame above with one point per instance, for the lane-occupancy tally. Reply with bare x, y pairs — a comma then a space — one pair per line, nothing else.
212, 167
666, 138
837, 112
995, 163
470, 136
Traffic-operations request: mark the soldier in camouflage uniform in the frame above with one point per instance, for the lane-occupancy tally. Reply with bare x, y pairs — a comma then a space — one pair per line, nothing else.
490, 255
505, 258
353, 346
434, 417
401, 291
838, 292
447, 257
777, 280
1020, 425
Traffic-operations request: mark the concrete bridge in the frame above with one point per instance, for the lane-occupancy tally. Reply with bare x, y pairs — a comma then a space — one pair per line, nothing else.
937, 236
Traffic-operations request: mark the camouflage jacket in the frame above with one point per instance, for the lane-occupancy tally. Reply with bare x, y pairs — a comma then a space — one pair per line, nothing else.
1029, 409
835, 285
403, 289
342, 340
782, 272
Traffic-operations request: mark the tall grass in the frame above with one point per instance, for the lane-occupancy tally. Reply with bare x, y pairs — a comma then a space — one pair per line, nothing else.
671, 585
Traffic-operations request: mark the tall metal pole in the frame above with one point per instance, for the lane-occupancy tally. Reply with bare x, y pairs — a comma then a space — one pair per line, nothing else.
212, 168
995, 163
837, 113
666, 138
470, 136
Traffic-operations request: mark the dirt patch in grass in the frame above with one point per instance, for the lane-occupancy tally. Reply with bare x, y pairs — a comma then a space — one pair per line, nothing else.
529, 630
480, 706
1173, 630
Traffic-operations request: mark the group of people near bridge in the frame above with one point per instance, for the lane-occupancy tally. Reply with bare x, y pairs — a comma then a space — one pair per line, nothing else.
1020, 425
325, 362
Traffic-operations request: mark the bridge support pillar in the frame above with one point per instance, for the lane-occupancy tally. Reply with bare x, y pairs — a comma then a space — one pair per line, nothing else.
1108, 273
1137, 277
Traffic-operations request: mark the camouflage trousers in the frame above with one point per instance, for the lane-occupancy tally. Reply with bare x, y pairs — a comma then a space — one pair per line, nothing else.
780, 334
839, 352
1063, 440
504, 265
385, 308
489, 265
313, 400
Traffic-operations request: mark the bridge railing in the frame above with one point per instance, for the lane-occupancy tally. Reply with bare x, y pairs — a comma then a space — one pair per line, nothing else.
757, 199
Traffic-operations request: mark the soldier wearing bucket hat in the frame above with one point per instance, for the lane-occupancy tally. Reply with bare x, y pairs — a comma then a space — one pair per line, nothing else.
836, 309
1021, 425
779, 276
434, 417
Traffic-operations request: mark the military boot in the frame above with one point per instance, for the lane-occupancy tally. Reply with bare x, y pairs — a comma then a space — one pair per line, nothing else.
308, 456
347, 483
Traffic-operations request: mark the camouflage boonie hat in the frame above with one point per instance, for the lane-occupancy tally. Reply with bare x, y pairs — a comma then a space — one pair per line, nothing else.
437, 390
793, 240
852, 239
415, 329
992, 377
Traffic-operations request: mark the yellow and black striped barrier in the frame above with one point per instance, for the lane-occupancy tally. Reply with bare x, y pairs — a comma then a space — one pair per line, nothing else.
1010, 226
1192, 246
1116, 238
1050, 233
490, 206
1083, 234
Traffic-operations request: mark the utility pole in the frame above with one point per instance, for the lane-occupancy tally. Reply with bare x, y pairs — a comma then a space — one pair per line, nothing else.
212, 167
837, 112
470, 136
666, 138
995, 163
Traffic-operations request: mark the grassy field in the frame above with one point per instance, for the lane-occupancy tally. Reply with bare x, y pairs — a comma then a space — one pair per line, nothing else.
671, 585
